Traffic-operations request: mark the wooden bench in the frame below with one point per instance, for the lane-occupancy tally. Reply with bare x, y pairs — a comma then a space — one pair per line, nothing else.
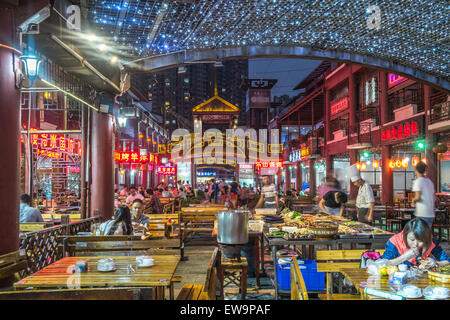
207, 291
13, 264
99, 245
79, 294
34, 226
72, 216
198, 220
333, 261
298, 287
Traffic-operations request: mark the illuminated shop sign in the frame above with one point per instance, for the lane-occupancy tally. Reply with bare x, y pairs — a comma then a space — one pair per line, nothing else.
206, 173
394, 79
268, 164
298, 155
339, 106
133, 157
410, 129
54, 145
166, 170
245, 166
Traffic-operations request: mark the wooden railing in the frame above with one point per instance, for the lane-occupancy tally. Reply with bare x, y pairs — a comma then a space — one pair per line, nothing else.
41, 246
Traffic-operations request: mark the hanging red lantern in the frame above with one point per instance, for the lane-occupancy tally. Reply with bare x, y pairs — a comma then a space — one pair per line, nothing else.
398, 163
405, 163
375, 164
358, 166
363, 166
415, 161
392, 163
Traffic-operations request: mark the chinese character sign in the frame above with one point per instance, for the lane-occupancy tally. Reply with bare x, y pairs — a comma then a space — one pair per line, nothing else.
165, 170
133, 157
54, 145
401, 131
268, 164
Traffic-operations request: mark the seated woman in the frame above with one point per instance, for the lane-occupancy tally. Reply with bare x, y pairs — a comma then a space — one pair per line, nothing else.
120, 225
413, 243
333, 202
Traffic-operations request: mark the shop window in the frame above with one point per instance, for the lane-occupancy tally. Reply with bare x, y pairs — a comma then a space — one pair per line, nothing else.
340, 166
368, 91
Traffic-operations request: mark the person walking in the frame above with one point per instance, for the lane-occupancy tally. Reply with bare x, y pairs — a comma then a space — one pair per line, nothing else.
423, 189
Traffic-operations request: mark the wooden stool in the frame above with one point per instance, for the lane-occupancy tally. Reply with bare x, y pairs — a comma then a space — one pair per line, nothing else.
233, 272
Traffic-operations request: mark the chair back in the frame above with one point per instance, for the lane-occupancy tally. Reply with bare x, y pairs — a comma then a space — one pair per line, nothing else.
298, 287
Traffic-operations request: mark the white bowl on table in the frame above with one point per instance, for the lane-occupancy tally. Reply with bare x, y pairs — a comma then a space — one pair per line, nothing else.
144, 261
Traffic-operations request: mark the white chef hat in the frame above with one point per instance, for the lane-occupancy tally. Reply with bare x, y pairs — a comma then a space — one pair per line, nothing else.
353, 172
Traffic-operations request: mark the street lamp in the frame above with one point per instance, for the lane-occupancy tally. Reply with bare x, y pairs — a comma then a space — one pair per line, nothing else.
31, 65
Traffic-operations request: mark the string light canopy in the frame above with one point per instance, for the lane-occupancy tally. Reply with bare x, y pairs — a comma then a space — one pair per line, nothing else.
413, 34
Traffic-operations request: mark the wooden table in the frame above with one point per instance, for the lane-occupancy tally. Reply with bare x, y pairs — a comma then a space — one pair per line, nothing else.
361, 280
276, 243
157, 277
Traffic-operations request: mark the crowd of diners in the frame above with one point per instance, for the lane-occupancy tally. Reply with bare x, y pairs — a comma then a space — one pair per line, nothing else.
413, 243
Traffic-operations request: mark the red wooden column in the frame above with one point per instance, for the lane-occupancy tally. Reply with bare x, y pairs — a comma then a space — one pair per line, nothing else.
287, 178
312, 178
352, 123
329, 159
102, 190
9, 131
387, 175
144, 178
430, 141
299, 176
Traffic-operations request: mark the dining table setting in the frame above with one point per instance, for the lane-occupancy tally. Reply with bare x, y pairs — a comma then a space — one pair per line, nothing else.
156, 272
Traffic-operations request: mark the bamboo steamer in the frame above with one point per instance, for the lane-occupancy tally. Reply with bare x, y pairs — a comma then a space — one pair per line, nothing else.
323, 232
439, 277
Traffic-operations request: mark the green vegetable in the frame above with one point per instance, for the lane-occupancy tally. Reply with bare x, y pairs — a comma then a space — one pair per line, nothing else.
295, 214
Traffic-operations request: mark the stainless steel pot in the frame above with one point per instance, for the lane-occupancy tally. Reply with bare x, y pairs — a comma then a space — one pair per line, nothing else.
232, 227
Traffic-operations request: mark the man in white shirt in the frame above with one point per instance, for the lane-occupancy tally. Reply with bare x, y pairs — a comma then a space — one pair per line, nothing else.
134, 195
365, 200
269, 197
423, 189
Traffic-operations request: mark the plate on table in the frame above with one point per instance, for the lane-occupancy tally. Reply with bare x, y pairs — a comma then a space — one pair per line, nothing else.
436, 293
106, 270
410, 292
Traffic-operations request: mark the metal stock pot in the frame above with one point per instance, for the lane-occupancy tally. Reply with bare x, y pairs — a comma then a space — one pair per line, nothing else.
232, 227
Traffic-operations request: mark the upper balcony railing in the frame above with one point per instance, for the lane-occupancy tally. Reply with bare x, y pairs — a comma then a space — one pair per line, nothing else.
440, 112
403, 98
360, 134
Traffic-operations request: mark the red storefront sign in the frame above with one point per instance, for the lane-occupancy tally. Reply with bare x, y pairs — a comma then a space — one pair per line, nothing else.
339, 106
167, 171
268, 164
410, 129
394, 79
54, 145
132, 157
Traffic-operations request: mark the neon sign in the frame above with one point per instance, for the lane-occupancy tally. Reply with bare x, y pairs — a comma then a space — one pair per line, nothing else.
167, 171
268, 164
402, 131
394, 79
298, 155
54, 145
133, 157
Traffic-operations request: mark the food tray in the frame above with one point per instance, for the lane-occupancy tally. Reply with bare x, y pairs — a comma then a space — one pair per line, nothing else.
300, 239
355, 236
440, 277
381, 235
275, 237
